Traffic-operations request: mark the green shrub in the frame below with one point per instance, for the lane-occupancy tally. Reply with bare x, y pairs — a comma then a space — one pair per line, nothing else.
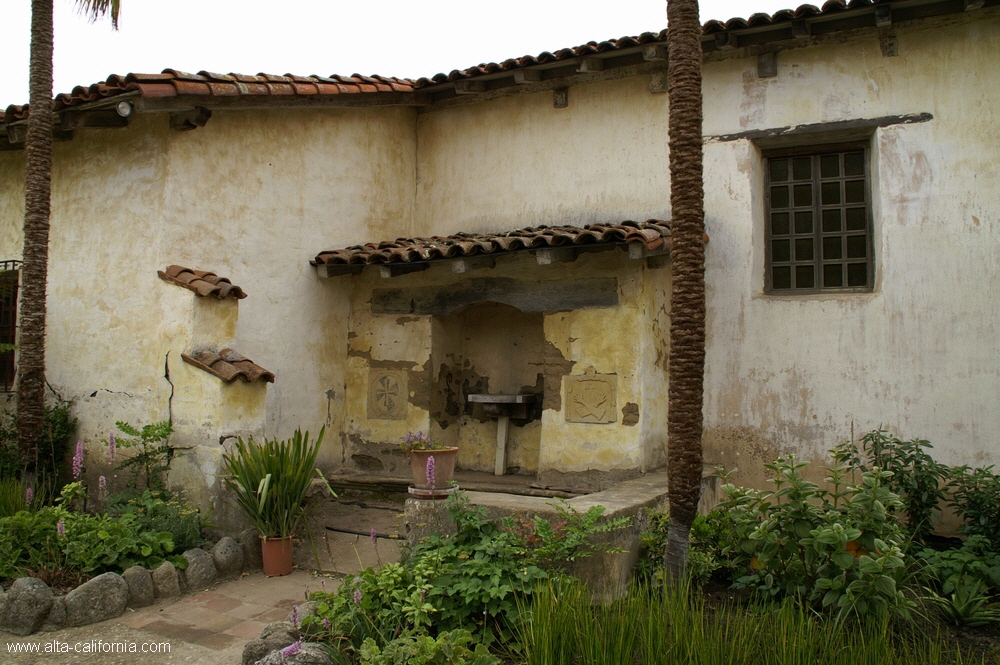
152, 454
966, 605
976, 499
833, 549
158, 510
12, 498
53, 443
31, 543
973, 561
704, 549
916, 477
472, 580
454, 648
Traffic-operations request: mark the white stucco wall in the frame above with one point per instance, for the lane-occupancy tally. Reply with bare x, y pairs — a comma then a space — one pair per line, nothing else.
255, 194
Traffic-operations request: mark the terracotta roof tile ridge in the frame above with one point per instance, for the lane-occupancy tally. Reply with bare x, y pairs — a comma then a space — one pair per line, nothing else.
202, 282
651, 233
228, 365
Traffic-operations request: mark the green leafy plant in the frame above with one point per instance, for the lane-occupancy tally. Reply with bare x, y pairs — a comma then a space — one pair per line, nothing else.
706, 543
966, 605
974, 560
63, 546
449, 648
976, 499
270, 480
53, 443
152, 454
836, 549
916, 477
476, 579
157, 511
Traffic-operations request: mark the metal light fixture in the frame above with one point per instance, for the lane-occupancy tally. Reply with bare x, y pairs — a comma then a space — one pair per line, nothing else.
124, 109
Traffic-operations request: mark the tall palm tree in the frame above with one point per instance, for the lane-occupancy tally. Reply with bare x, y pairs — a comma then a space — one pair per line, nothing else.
38, 190
687, 295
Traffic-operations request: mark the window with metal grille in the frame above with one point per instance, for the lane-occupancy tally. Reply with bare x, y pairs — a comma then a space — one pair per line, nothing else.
9, 271
819, 229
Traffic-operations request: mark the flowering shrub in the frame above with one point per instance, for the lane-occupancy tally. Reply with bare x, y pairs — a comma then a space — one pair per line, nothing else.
159, 510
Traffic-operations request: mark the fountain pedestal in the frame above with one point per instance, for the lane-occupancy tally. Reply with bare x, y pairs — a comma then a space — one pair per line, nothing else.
503, 408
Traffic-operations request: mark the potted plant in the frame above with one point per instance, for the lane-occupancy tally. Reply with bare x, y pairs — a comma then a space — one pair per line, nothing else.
433, 466
270, 481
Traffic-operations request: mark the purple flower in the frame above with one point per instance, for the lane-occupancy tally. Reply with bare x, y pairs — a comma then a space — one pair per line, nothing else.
295, 616
431, 480
78, 461
61, 527
292, 648
357, 596
374, 538
112, 446
326, 623
29, 494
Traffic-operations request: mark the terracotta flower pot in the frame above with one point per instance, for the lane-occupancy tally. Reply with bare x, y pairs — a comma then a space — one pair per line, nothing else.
444, 467
277, 554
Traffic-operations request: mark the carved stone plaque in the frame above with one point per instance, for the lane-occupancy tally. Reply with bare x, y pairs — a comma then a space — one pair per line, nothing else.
387, 394
590, 398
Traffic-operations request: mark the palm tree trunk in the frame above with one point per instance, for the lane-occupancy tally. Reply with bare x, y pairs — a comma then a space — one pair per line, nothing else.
687, 296
35, 257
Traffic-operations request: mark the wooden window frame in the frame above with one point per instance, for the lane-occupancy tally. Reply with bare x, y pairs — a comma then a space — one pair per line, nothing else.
10, 272
818, 234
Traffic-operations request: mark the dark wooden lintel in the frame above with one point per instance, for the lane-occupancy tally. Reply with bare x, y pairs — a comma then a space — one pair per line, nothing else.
836, 131
537, 296
883, 16
468, 87
70, 120
522, 76
338, 269
585, 65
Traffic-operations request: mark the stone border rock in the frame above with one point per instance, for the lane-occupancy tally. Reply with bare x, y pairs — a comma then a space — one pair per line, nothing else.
30, 605
281, 643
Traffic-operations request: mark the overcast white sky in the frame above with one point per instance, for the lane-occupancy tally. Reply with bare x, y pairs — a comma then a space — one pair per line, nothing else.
404, 38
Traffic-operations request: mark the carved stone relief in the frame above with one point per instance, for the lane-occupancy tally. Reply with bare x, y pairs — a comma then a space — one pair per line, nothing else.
387, 394
590, 398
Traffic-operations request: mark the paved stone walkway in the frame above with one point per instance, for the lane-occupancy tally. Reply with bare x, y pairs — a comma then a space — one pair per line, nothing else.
209, 627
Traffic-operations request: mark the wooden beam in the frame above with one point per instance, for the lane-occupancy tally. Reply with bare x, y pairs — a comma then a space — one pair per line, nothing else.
801, 29
725, 41
338, 269
397, 269
467, 87
71, 120
883, 16
469, 263
654, 52
546, 257
522, 76
589, 65
187, 120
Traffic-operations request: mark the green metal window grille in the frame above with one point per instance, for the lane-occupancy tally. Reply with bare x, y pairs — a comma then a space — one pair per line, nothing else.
819, 230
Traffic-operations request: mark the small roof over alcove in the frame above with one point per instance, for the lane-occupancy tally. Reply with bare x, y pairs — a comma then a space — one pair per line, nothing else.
550, 244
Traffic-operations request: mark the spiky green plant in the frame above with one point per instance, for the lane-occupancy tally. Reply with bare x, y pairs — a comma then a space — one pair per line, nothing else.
270, 480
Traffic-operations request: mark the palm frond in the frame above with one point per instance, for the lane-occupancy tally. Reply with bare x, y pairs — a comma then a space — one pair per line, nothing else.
95, 9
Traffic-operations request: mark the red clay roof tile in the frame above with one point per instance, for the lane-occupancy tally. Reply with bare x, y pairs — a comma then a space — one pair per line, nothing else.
202, 282
228, 365
653, 234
